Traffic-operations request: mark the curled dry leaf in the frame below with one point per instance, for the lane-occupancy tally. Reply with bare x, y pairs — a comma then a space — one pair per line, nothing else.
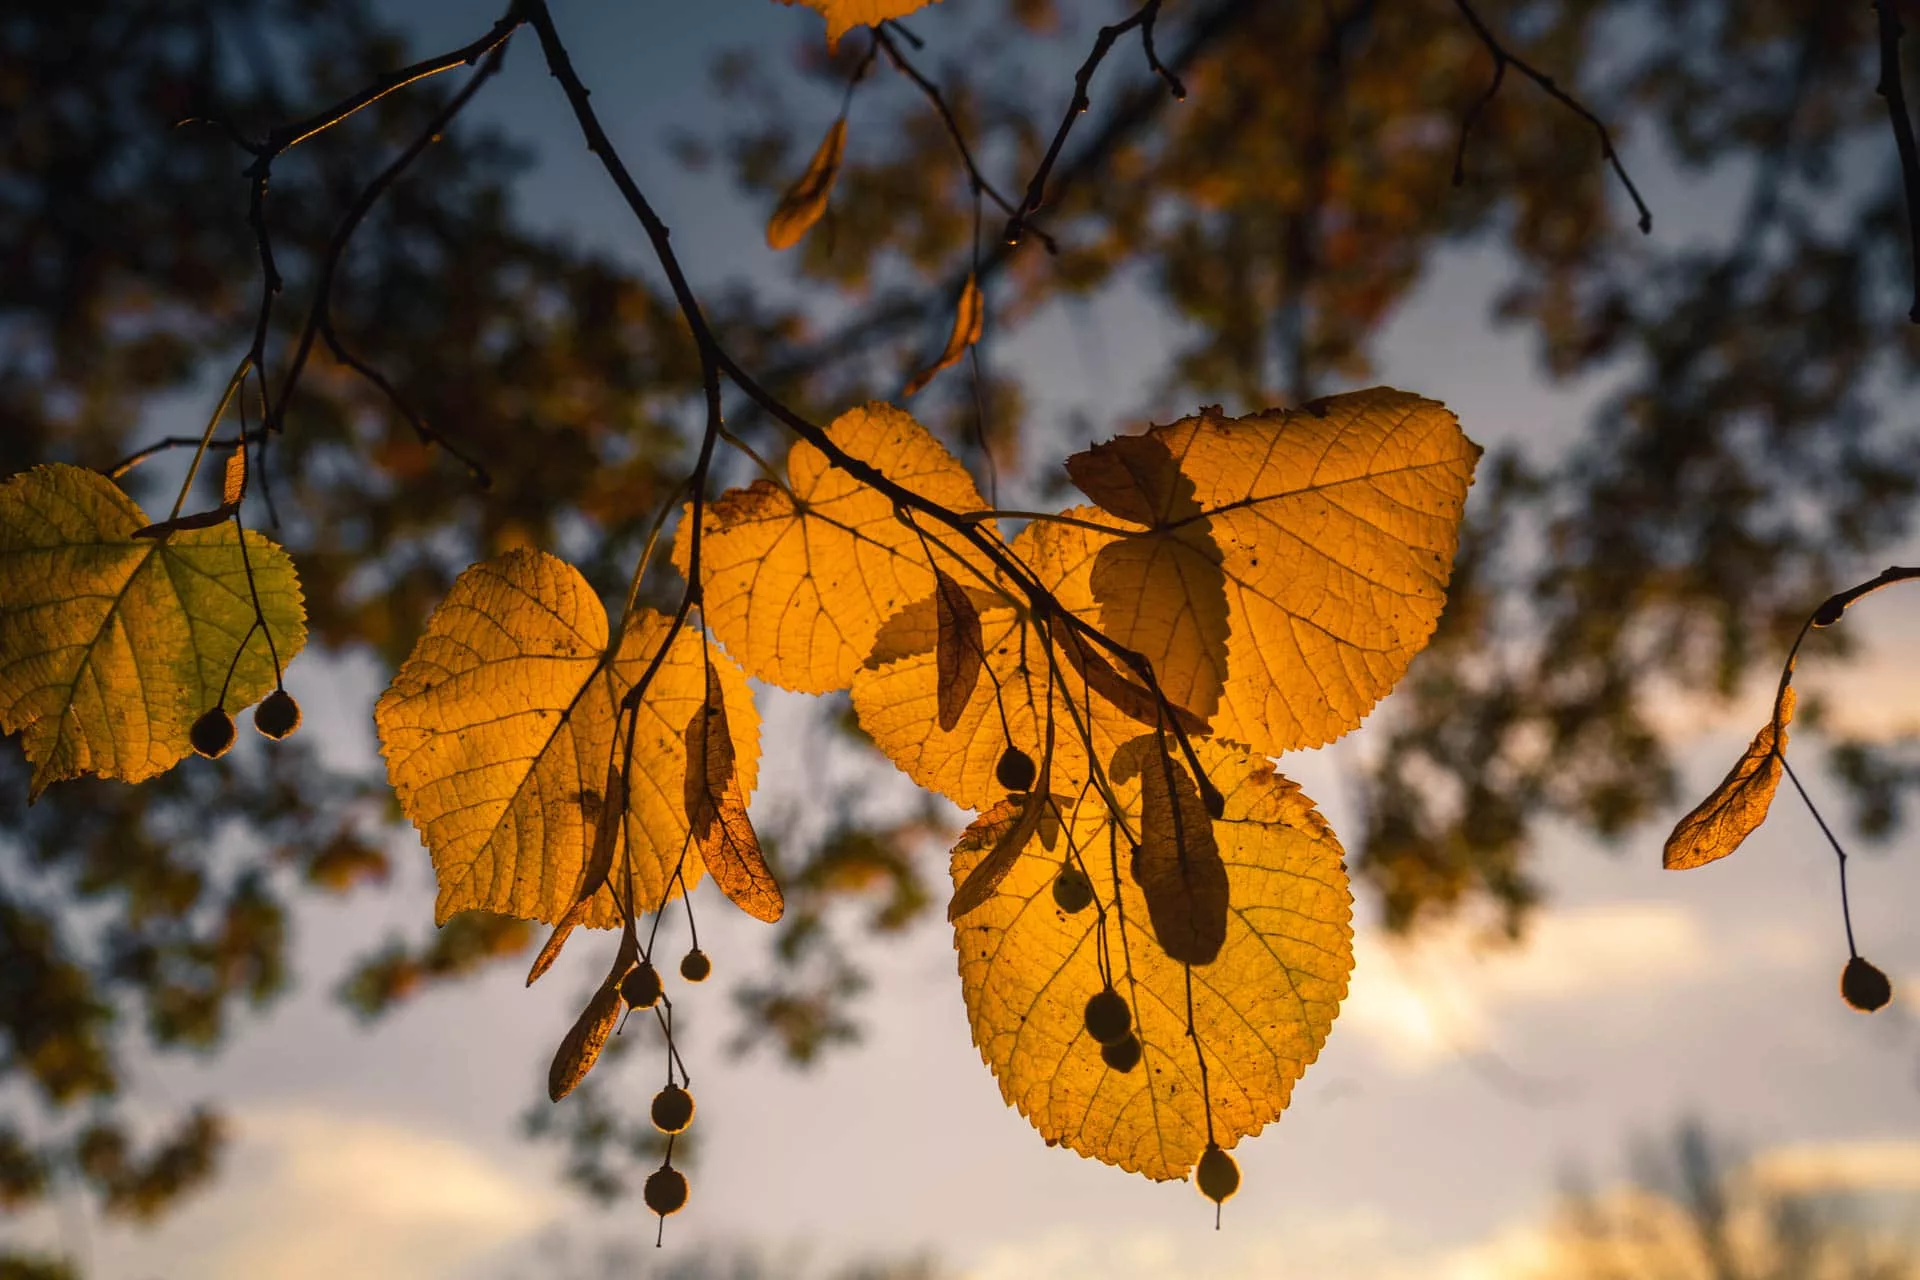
806, 200
113, 645
581, 1046
958, 648
986, 874
233, 485
1177, 864
1721, 822
717, 811
968, 318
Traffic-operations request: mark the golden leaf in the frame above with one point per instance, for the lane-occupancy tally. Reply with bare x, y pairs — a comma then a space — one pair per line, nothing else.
968, 318
111, 646
499, 728
844, 15
796, 580
1721, 822
958, 648
806, 200
1260, 1011
1291, 564
717, 811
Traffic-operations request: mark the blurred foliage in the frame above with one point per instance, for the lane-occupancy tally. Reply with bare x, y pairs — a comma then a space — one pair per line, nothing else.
1696, 1212
1740, 463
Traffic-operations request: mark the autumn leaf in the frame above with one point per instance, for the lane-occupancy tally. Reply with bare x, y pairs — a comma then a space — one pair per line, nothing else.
1261, 1010
806, 200
1290, 566
797, 577
958, 649
1177, 862
1737, 807
111, 645
499, 727
968, 318
717, 810
1032, 675
580, 1047
844, 15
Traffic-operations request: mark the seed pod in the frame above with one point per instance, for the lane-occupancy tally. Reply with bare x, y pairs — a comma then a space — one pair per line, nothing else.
1108, 1018
1072, 892
212, 734
666, 1190
1217, 1174
1015, 771
672, 1109
641, 987
1123, 1054
1864, 986
695, 966
278, 716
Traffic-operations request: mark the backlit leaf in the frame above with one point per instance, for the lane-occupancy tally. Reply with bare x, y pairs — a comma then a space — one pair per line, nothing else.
717, 810
806, 200
1261, 1010
1177, 865
499, 727
844, 15
1291, 564
110, 645
958, 650
968, 319
797, 580
1739, 804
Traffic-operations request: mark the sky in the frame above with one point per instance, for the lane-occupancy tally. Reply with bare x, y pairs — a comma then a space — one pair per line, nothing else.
1462, 1081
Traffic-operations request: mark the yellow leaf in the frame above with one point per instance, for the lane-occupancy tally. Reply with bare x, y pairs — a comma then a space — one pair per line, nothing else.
1261, 1010
797, 592
958, 648
1290, 565
499, 727
806, 200
717, 810
1177, 864
1739, 804
968, 320
844, 15
112, 646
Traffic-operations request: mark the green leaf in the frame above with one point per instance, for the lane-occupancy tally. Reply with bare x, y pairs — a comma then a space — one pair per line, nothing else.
111, 646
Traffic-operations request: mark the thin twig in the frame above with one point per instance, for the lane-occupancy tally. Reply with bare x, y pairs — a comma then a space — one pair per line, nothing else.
1502, 59
320, 316
161, 445
1143, 18
1894, 92
289, 136
933, 95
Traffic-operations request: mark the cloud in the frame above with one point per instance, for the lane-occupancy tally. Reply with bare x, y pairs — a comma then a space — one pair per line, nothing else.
1441, 994
1816, 1168
314, 1195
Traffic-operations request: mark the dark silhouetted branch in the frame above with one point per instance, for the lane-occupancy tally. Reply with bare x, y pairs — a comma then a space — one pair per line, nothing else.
1895, 93
1502, 59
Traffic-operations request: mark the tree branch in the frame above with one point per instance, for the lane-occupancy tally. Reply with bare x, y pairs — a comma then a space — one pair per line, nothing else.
1502, 59
1894, 92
